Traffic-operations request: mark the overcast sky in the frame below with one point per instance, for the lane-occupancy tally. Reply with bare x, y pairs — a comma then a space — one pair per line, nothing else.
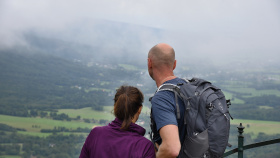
206, 26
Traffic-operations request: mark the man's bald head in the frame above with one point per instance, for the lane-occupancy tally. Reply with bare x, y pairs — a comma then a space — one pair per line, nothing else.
162, 55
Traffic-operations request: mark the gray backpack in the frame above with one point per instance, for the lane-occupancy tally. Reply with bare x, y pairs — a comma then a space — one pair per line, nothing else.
206, 118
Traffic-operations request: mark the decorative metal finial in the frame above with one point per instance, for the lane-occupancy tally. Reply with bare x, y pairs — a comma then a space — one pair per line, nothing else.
240, 129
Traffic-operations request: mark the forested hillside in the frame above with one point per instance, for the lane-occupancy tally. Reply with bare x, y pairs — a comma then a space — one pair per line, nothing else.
36, 80
45, 82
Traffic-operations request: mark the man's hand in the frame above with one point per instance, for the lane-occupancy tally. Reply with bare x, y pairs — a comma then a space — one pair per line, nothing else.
156, 147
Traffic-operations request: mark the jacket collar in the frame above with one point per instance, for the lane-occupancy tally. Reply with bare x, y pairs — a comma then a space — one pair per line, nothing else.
117, 123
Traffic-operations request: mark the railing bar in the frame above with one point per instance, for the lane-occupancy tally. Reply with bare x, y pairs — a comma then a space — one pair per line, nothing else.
252, 146
230, 152
241, 147
261, 144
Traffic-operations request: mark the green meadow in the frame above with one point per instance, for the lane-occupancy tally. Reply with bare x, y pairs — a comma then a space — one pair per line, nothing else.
33, 125
258, 126
251, 92
243, 87
89, 113
128, 67
36, 124
9, 156
229, 95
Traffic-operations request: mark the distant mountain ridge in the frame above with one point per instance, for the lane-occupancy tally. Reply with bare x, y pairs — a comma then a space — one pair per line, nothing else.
96, 41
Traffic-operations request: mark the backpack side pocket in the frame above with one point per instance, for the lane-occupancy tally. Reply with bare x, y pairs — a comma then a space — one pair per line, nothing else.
195, 146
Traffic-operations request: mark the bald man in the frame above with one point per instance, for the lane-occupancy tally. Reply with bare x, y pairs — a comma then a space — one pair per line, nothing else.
169, 131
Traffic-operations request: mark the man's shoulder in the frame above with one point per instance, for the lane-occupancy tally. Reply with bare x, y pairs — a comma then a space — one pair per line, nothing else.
163, 95
166, 93
175, 81
163, 99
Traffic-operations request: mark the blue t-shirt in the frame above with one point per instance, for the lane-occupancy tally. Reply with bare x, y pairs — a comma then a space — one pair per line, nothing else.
164, 110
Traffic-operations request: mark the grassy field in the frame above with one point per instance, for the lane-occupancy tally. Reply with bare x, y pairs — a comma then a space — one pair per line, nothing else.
229, 95
9, 156
250, 92
34, 125
88, 113
38, 134
128, 67
257, 126
251, 126
97, 89
29, 124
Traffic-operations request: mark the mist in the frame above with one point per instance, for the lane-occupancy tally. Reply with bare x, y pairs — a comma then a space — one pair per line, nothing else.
203, 31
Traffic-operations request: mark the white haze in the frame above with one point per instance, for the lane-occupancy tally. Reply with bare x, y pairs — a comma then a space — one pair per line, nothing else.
229, 28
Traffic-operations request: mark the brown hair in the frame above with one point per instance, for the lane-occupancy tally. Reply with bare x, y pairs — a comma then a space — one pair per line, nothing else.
127, 100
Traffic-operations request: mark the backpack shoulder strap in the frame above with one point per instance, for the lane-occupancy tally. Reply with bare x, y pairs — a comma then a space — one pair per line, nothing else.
164, 87
173, 88
177, 92
167, 86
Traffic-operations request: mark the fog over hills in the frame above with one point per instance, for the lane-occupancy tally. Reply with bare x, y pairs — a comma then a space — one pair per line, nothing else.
98, 41
112, 42
217, 33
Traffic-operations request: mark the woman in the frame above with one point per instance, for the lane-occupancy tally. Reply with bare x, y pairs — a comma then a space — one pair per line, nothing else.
121, 138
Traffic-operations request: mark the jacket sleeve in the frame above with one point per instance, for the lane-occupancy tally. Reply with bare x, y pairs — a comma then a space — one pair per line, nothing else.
150, 151
85, 152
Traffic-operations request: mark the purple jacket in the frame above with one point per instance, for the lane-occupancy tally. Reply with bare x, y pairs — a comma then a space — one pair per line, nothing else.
112, 142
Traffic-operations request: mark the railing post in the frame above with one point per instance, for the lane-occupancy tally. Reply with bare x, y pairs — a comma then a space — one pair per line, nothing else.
240, 140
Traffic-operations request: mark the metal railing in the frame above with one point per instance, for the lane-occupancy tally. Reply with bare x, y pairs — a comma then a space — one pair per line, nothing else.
241, 147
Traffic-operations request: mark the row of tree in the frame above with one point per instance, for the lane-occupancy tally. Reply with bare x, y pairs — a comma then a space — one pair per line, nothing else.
64, 129
53, 146
69, 146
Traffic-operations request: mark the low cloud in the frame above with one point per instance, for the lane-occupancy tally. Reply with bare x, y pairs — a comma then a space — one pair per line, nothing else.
210, 28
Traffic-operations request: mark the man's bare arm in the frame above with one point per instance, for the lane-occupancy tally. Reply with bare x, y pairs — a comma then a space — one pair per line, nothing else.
170, 146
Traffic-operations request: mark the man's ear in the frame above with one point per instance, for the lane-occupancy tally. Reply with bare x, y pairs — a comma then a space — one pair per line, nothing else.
149, 63
174, 66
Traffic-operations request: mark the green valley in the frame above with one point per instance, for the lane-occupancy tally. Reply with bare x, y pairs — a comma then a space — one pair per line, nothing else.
48, 102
